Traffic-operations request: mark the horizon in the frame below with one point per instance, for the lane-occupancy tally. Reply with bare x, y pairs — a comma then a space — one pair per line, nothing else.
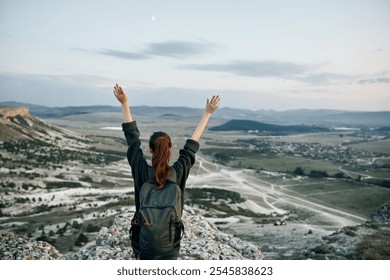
194, 108
257, 55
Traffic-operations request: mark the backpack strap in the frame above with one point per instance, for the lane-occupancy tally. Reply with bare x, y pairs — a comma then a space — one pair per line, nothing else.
173, 176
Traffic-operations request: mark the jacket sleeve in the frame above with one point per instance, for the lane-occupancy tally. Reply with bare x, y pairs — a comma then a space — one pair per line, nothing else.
185, 161
135, 156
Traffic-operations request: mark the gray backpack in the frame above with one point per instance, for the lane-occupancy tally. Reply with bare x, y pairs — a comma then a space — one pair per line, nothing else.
158, 222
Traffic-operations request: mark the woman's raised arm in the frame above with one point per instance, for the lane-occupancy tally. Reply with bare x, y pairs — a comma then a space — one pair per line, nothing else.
122, 98
211, 107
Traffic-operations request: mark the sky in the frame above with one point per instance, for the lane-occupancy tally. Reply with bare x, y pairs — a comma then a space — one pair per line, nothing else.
255, 54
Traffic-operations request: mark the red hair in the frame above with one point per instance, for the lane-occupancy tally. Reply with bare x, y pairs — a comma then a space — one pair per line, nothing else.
161, 146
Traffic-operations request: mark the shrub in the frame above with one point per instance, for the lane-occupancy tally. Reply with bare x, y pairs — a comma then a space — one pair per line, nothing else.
60, 232
65, 185
321, 249
76, 225
41, 208
299, 171
373, 247
318, 174
350, 231
81, 240
86, 179
339, 175
91, 228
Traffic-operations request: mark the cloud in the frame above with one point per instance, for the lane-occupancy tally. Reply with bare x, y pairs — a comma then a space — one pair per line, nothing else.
179, 49
375, 81
173, 48
255, 68
267, 69
124, 55
325, 78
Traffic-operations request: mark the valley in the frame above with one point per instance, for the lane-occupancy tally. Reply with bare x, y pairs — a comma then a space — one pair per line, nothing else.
68, 176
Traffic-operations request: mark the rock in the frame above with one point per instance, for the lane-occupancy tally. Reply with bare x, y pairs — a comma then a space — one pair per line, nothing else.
201, 241
15, 247
381, 215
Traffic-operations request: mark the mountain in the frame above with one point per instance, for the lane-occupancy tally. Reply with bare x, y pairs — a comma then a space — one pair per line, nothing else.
318, 117
248, 125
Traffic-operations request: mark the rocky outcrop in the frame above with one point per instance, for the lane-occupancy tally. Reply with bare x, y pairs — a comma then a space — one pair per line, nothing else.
13, 247
205, 242
368, 241
10, 112
16, 123
202, 241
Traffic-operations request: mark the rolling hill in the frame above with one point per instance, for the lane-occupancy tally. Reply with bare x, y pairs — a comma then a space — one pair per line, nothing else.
258, 127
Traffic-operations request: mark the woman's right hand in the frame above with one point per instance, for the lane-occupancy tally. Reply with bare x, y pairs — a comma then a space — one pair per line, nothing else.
120, 94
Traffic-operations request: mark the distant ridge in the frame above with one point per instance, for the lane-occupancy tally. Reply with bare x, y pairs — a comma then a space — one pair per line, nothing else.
317, 117
258, 127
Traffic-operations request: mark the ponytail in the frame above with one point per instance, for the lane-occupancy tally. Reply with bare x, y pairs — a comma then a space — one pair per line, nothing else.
161, 146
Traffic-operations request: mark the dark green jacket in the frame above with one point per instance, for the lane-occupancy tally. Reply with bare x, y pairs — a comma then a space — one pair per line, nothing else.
142, 171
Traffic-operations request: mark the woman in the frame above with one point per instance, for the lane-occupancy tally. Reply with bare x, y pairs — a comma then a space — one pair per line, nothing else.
160, 145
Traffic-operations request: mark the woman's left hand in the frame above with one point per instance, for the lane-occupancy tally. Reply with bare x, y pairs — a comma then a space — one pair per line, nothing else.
212, 105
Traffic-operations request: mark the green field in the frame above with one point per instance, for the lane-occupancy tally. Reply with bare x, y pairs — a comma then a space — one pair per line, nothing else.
380, 146
284, 164
347, 195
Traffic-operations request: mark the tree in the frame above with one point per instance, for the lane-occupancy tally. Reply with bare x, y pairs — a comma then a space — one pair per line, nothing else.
299, 171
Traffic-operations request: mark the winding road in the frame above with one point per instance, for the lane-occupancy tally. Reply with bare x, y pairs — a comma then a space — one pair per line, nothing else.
265, 197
